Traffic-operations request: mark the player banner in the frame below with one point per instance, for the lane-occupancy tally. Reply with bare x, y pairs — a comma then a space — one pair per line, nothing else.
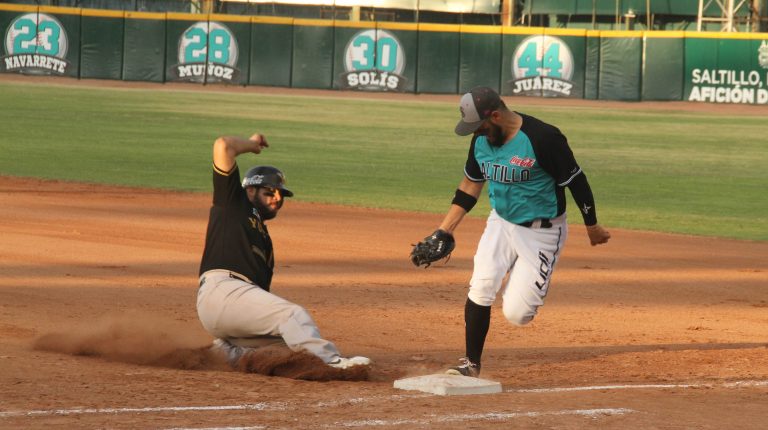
543, 63
41, 43
207, 51
727, 70
373, 59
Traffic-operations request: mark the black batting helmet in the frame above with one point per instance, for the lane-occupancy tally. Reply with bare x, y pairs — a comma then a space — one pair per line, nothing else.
266, 176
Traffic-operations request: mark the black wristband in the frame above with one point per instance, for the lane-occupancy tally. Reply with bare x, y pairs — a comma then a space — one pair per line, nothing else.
464, 200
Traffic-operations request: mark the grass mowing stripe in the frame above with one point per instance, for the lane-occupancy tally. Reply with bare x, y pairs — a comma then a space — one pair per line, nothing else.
673, 171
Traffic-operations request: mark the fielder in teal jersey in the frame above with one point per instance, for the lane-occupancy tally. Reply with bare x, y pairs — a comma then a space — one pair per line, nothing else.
527, 164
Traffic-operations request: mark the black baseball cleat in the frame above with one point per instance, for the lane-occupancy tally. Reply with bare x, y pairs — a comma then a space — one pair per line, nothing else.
466, 368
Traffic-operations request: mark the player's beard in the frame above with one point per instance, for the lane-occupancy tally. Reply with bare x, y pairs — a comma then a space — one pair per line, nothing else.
496, 136
265, 212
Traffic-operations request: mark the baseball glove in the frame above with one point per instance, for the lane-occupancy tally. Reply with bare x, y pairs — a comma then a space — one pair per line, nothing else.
434, 247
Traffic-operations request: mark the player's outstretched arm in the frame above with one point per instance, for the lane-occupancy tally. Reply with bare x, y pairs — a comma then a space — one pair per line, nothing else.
227, 148
440, 244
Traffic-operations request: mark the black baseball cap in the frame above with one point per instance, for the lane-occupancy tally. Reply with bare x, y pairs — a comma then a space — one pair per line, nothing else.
476, 106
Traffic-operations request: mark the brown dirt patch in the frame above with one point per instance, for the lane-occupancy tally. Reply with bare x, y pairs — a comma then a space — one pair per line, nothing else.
98, 325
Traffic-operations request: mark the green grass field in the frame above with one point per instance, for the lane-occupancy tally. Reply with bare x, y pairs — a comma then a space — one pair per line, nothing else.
672, 171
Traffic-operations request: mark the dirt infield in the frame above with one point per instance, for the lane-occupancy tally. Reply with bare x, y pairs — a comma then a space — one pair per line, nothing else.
650, 331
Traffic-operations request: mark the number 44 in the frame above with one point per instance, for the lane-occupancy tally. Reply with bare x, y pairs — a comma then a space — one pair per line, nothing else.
550, 65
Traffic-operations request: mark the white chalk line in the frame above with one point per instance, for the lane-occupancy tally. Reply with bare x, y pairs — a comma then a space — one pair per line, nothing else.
354, 401
489, 416
737, 384
282, 406
85, 411
274, 406
219, 428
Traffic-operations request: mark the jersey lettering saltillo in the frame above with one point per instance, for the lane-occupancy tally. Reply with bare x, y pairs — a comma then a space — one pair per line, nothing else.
236, 239
527, 174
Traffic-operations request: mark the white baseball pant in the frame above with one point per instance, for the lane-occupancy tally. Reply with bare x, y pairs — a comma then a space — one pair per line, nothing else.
527, 254
237, 311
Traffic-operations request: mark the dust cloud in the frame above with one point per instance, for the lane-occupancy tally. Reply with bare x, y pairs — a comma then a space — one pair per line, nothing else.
161, 342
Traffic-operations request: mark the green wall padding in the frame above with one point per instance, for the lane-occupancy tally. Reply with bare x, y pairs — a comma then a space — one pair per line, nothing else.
438, 62
271, 46
479, 61
102, 47
144, 51
620, 67
663, 69
313, 54
592, 68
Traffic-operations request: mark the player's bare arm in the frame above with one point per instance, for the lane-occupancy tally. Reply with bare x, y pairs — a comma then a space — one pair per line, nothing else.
440, 243
456, 213
227, 148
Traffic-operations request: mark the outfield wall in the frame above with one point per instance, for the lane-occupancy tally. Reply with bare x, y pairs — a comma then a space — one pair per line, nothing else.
384, 56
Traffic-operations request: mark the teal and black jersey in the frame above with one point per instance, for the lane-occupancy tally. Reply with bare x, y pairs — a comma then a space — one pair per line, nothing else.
527, 174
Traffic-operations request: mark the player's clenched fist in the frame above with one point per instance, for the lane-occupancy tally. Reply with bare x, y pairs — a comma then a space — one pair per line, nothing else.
597, 234
260, 141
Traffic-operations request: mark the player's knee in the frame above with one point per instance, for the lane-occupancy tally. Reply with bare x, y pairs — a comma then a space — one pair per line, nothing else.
519, 315
299, 314
482, 292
